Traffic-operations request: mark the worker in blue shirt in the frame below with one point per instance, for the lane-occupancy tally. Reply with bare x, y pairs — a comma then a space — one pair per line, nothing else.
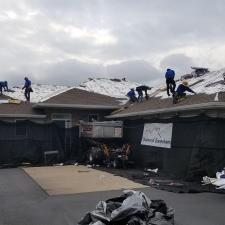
180, 92
28, 89
170, 74
132, 96
184, 87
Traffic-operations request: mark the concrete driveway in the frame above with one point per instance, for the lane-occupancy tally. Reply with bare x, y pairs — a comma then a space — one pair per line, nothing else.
23, 202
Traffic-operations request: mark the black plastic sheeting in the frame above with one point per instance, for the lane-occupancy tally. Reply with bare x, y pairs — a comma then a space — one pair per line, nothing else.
26, 141
198, 147
132, 208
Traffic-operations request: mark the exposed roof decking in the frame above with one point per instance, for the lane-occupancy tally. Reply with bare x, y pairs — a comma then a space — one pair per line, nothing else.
80, 97
162, 106
21, 110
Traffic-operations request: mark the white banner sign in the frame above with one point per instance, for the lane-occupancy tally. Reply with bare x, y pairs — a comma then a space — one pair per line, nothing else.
157, 134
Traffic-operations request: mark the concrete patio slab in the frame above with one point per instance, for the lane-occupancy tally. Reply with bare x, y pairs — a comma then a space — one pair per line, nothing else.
58, 180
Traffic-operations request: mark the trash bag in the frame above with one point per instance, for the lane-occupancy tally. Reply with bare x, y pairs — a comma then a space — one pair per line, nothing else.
131, 208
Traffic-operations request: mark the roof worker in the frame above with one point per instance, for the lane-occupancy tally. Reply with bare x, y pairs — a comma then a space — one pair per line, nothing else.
132, 96
140, 94
224, 76
140, 90
1, 86
170, 82
4, 86
28, 89
180, 92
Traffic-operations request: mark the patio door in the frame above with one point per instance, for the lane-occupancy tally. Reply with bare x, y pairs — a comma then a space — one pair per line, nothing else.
64, 122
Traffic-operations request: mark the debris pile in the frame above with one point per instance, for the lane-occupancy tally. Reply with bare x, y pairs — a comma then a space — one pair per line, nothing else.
131, 208
199, 71
219, 181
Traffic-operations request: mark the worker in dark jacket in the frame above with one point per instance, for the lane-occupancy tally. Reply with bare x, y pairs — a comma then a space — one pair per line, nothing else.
28, 89
180, 92
140, 90
3, 86
170, 74
140, 94
132, 96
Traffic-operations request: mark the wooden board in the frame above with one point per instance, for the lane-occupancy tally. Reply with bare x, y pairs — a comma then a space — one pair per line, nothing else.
14, 101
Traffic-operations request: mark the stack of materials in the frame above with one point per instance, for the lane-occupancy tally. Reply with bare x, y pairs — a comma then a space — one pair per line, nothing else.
219, 181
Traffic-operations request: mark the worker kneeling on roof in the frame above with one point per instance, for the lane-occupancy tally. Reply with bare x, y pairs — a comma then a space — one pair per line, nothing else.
180, 92
132, 96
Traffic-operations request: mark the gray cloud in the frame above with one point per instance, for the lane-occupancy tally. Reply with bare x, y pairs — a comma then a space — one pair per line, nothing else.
67, 41
178, 62
139, 70
71, 72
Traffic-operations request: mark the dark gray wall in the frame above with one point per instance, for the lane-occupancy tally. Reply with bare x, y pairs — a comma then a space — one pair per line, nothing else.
198, 146
27, 141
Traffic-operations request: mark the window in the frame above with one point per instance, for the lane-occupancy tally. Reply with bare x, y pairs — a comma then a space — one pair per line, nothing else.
92, 117
21, 128
62, 119
61, 116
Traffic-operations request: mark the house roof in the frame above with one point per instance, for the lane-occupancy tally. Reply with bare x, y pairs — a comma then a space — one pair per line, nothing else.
80, 99
156, 105
73, 98
21, 110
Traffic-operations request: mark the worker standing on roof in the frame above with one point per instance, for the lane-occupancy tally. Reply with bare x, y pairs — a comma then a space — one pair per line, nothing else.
28, 89
170, 74
180, 92
132, 96
140, 94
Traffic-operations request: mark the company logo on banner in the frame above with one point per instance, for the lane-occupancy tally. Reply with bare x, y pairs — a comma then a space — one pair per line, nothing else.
157, 134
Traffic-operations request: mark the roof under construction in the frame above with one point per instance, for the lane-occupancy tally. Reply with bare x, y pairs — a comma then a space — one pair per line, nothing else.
80, 99
156, 106
17, 110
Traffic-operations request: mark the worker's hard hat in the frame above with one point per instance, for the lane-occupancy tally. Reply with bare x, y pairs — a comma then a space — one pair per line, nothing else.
185, 83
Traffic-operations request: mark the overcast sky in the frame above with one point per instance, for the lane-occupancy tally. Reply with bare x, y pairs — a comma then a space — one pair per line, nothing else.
67, 41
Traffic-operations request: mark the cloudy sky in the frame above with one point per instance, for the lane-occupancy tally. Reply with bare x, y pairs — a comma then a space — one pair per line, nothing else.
67, 41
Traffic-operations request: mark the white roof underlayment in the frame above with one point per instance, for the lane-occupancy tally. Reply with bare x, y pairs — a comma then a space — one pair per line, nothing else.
209, 83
